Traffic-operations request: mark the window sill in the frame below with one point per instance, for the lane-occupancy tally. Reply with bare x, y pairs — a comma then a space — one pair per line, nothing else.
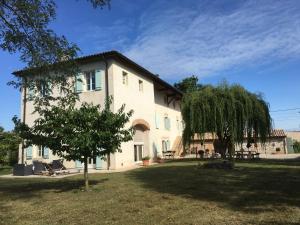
79, 92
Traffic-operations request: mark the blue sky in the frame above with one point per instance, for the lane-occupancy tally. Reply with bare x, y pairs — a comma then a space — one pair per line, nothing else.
254, 43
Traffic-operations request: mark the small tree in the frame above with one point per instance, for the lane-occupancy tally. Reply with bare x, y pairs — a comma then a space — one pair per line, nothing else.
9, 146
79, 133
296, 146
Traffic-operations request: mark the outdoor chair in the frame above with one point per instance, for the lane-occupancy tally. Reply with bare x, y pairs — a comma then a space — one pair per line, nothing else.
58, 167
39, 168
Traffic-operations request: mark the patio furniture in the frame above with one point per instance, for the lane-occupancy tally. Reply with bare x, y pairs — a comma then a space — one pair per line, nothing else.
22, 170
58, 167
39, 168
255, 155
169, 154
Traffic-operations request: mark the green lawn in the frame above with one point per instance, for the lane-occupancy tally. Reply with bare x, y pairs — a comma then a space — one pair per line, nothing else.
5, 170
170, 193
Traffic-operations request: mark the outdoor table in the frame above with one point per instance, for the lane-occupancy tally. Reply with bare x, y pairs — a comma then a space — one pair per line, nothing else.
169, 154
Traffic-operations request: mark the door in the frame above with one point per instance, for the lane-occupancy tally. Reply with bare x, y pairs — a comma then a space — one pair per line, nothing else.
92, 163
138, 152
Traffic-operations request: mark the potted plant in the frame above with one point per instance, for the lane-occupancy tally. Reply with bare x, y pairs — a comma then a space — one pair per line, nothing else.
146, 160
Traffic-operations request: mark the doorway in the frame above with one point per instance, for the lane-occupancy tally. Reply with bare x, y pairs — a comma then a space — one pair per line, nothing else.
138, 152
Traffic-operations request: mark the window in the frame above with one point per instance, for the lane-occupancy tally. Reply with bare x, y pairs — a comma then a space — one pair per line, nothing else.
29, 152
90, 80
138, 153
167, 123
125, 78
165, 145
44, 88
156, 121
141, 85
44, 152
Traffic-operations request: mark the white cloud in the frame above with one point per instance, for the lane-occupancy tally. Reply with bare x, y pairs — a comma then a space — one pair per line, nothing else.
183, 41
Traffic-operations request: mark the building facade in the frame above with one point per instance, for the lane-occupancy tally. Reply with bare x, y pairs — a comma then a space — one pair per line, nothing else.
275, 144
156, 104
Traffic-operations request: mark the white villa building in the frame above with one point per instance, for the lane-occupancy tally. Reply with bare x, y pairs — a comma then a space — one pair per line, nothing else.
156, 104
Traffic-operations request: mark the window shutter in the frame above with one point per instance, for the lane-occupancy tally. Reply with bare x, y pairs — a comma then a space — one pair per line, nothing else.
46, 153
168, 145
166, 123
156, 121
169, 123
79, 83
98, 78
78, 164
29, 152
98, 163
30, 93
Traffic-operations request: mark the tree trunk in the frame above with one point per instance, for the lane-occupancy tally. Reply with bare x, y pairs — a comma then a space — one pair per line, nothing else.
86, 178
108, 161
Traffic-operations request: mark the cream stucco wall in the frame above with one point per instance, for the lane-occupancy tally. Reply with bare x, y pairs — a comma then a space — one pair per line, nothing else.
95, 97
148, 105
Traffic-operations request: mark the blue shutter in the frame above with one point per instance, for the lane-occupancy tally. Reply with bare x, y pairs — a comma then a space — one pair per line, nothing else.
78, 164
168, 145
46, 153
98, 163
29, 152
165, 123
78, 83
30, 93
156, 121
98, 79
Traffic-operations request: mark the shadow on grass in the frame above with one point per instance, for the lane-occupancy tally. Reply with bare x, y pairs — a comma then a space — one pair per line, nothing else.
246, 188
28, 188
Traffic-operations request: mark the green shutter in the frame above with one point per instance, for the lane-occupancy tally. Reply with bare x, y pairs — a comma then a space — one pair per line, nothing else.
169, 124
168, 145
79, 82
46, 153
78, 164
166, 123
98, 163
98, 79
30, 93
156, 121
29, 152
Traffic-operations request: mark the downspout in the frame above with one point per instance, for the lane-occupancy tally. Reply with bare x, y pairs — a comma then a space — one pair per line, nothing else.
106, 97
24, 117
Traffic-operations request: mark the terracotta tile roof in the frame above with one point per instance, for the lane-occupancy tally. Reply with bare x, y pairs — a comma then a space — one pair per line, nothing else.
123, 59
212, 136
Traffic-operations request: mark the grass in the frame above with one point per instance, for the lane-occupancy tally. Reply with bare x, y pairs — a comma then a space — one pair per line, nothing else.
5, 170
264, 192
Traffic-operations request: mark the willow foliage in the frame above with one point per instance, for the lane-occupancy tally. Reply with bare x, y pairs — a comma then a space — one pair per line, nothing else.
229, 111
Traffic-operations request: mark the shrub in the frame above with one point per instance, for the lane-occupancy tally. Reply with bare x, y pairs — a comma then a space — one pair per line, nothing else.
146, 158
218, 165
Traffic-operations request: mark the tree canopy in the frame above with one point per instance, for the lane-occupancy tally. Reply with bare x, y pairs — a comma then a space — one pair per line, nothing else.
25, 29
78, 133
188, 84
229, 111
9, 146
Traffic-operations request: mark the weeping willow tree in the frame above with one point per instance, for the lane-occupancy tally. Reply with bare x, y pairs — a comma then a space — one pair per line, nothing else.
227, 111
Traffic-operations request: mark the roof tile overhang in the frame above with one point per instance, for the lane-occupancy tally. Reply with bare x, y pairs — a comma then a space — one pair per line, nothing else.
122, 59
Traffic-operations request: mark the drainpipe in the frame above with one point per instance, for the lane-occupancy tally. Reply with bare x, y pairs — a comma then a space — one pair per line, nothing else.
106, 97
24, 116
